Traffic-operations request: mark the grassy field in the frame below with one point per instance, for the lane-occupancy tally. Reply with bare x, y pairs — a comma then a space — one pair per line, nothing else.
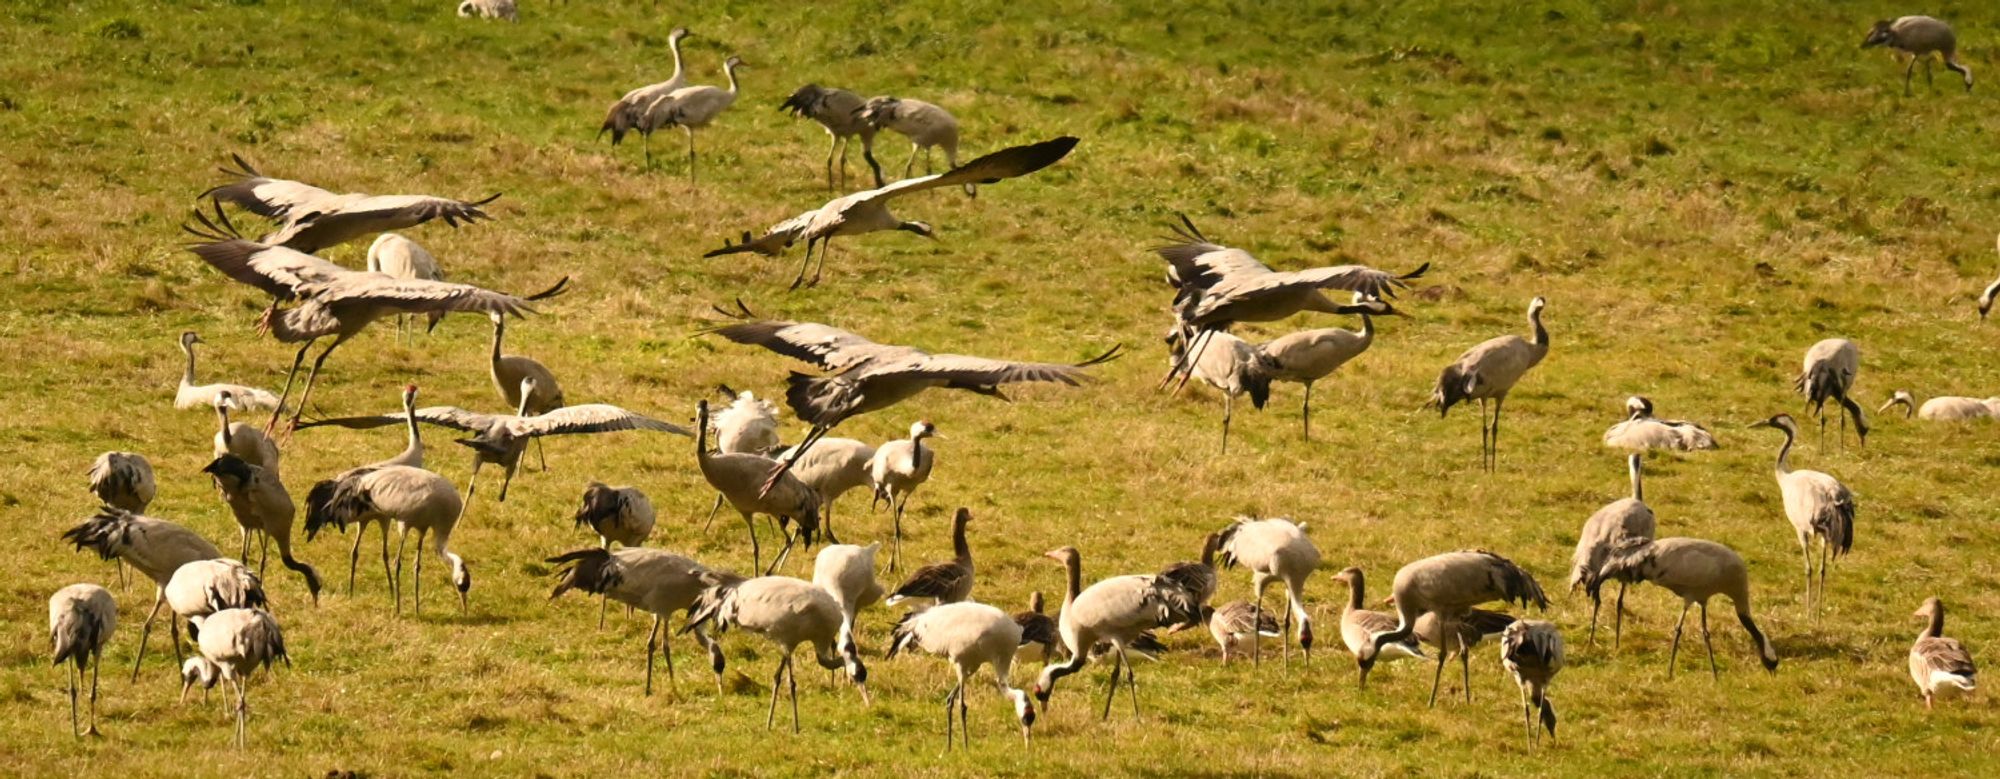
1700, 189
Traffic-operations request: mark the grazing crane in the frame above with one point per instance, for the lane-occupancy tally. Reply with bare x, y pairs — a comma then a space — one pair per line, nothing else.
867, 376
1641, 431
787, 612
502, 439
629, 112
489, 9
1830, 368
414, 499
1116, 610
1449, 585
1944, 408
262, 507
621, 514
1217, 286
204, 587
397, 257
1488, 372
1696, 570
123, 480
847, 572
81, 620
832, 468
1475, 626
1992, 291
1307, 356
1197, 578
1235, 622
868, 211
1358, 626
412, 456
1919, 37
1936, 662
967, 635
1226, 363
234, 644
240, 439
310, 219
1532, 650
1602, 534
512, 375
748, 425
741, 478
896, 470
1038, 629
650, 580
193, 396
839, 111
1274, 550
1818, 505
946, 582
925, 124
693, 108
155, 547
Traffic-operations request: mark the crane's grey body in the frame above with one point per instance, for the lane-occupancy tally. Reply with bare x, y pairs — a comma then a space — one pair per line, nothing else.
1920, 37
1449, 585
925, 124
1116, 610
628, 113
1828, 374
1641, 431
1275, 550
692, 108
1603, 533
787, 612
82, 618
1696, 570
412, 498
1532, 650
263, 508
155, 548
754, 484
1944, 408
310, 219
1818, 506
968, 635
840, 112
896, 470
650, 580
234, 644
1488, 372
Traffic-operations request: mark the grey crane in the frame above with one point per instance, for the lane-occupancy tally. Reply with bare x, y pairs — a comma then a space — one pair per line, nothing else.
123, 480
868, 211
693, 108
155, 548
310, 219
927, 125
754, 484
896, 470
868, 376
414, 499
629, 112
847, 572
1818, 506
398, 257
1696, 570
787, 612
193, 396
621, 514
1944, 408
204, 587
967, 635
748, 425
511, 374
650, 580
1532, 650
1275, 550
833, 467
1227, 364
1920, 37
263, 508
1449, 585
1936, 662
234, 644
1488, 372
839, 111
1307, 356
1116, 610
82, 618
1828, 373
241, 439
412, 456
1602, 534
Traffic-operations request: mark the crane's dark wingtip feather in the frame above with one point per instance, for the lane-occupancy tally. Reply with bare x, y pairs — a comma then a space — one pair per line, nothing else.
1418, 273
561, 286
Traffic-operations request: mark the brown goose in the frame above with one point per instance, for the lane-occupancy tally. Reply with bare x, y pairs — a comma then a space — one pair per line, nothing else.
1937, 662
1358, 625
1198, 579
944, 582
1038, 629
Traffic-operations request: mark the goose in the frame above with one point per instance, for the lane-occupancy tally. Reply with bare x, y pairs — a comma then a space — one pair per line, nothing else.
1936, 662
1358, 626
946, 582
1038, 629
1233, 623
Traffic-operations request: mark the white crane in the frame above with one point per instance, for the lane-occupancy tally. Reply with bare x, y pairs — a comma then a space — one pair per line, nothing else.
1641, 431
1828, 373
868, 211
968, 635
1275, 550
839, 111
629, 112
398, 257
1358, 626
1936, 662
787, 612
896, 470
1532, 650
946, 582
868, 376
847, 572
412, 456
1944, 408
693, 108
1488, 372
241, 440
1603, 533
1307, 356
1696, 570
1818, 506
650, 580
334, 302
155, 548
82, 618
1116, 610
262, 507
193, 396
234, 644
414, 499
741, 478
925, 124
1449, 585
310, 219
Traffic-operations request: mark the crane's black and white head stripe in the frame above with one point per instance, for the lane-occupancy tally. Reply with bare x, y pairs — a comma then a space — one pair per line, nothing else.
1986, 298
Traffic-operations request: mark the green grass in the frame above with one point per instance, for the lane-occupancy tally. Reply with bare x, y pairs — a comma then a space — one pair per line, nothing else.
1701, 189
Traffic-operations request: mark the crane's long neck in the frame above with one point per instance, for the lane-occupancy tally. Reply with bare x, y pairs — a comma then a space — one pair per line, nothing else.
958, 545
1638, 481
730, 71
1541, 338
916, 450
1208, 551
415, 449
1367, 330
701, 437
1936, 627
222, 417
674, 45
499, 334
187, 374
1785, 452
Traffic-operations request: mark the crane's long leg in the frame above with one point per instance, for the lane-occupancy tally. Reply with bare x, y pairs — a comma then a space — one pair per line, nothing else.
354, 557
1110, 693
964, 723
1437, 676
174, 632
950, 698
1256, 632
825, 246
1805, 548
896, 549
73, 673
1284, 640
652, 643
833, 144
1228, 409
1618, 618
1824, 542
1309, 411
792, 679
402, 538
507, 476
417, 594
1595, 602
1712, 673
264, 554
804, 263
395, 587
782, 553
541, 457
1465, 666
711, 513
1676, 651
603, 605
1131, 681
756, 555
1497, 403
243, 535
159, 599
96, 662
297, 360
312, 378
1484, 431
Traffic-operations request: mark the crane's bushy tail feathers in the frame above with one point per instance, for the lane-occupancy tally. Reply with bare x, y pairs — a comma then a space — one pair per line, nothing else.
1449, 391
336, 503
103, 533
903, 634
1515, 583
601, 504
590, 570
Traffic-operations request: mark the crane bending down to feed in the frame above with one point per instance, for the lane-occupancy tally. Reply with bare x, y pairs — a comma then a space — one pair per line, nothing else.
123, 480
413, 498
868, 211
1603, 534
155, 548
1307, 356
1532, 650
1641, 431
621, 514
925, 124
1828, 373
1920, 37
1696, 570
398, 257
1448, 586
787, 612
1818, 506
654, 581
839, 111
693, 108
1217, 286
628, 113
867, 376
412, 456
1115, 611
1275, 550
1488, 372
310, 219
967, 635
334, 302
82, 618
234, 644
